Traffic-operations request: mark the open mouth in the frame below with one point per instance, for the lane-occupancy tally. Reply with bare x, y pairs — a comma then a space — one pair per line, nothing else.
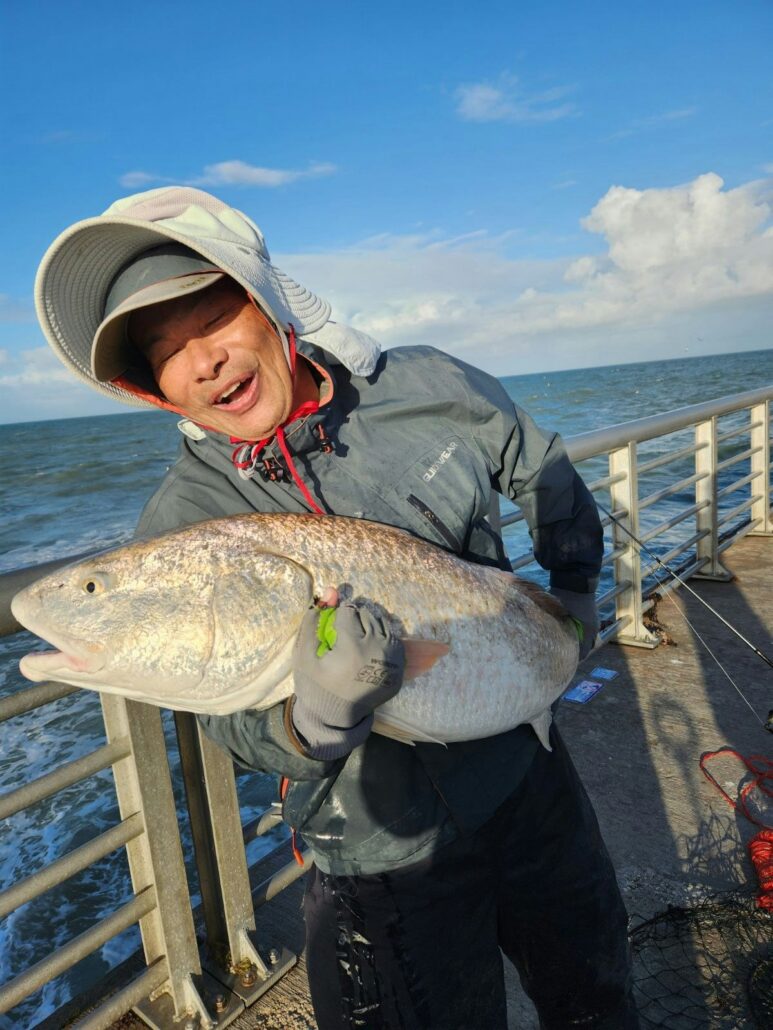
239, 394
43, 665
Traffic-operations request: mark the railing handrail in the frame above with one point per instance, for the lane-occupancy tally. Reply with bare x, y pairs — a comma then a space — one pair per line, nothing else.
599, 441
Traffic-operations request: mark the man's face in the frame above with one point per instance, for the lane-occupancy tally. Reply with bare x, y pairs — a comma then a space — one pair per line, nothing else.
218, 360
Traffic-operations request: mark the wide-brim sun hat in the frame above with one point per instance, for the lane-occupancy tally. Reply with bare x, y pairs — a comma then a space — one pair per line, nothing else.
80, 266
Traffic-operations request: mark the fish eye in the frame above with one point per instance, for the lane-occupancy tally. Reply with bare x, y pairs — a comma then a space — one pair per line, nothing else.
95, 583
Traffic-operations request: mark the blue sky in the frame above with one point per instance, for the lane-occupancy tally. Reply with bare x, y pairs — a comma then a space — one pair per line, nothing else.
531, 186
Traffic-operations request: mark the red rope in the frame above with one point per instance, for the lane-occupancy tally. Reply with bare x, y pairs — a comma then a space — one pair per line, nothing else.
307, 408
280, 439
761, 844
761, 854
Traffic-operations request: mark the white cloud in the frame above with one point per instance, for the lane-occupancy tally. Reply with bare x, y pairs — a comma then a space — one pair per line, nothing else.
135, 180
673, 256
672, 116
505, 101
240, 173
33, 367
59, 137
234, 173
655, 121
34, 385
696, 223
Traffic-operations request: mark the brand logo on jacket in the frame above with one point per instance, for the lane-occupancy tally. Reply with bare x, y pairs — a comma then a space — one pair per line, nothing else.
440, 461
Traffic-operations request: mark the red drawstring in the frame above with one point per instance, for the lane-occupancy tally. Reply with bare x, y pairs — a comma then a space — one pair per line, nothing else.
307, 408
280, 439
761, 844
239, 456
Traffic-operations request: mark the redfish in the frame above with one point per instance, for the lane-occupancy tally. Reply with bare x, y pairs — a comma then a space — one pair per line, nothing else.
204, 619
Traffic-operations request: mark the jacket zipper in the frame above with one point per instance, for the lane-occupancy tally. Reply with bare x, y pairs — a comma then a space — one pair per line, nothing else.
436, 522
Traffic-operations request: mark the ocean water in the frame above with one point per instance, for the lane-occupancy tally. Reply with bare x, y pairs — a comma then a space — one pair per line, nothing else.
78, 484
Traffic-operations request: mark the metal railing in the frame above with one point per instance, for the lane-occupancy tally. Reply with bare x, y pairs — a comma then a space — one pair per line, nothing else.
175, 984
710, 516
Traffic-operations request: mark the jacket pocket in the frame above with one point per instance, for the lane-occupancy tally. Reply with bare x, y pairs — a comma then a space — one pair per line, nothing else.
443, 493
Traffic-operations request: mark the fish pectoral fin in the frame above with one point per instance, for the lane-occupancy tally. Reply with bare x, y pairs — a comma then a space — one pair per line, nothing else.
541, 726
389, 725
421, 655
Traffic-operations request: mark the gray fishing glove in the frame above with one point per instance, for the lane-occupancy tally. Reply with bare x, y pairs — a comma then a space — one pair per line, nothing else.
582, 608
346, 663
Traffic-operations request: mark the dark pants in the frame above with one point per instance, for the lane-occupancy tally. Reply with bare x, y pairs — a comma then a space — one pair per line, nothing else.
418, 949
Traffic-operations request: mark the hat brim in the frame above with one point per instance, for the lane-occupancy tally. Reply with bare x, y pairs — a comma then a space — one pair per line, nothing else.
77, 269
111, 351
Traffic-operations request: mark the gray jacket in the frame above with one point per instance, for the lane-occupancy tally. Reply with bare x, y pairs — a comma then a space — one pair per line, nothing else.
418, 444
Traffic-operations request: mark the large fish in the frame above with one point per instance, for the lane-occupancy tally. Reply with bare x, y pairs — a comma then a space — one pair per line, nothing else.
204, 619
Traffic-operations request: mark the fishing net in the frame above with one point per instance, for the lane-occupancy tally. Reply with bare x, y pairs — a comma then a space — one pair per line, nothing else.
707, 965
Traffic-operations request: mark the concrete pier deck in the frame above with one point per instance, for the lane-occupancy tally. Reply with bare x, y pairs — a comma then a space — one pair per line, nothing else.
637, 744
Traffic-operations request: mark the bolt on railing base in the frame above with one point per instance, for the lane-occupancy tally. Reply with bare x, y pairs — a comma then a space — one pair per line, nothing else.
221, 1006
249, 983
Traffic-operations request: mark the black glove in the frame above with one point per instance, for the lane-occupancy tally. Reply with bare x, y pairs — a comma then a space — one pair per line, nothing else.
346, 663
582, 608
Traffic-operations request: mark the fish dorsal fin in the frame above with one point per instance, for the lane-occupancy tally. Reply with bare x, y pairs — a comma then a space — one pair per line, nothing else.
541, 726
421, 655
389, 725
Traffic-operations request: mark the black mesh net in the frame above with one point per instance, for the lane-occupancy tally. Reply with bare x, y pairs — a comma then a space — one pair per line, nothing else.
707, 965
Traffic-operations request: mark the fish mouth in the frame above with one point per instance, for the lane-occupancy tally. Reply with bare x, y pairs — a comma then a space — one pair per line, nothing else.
72, 658
58, 665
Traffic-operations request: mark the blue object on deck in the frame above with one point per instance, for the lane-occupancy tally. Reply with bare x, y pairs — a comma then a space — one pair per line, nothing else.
583, 691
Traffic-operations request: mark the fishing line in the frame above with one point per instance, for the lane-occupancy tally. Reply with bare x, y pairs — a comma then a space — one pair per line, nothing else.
697, 634
643, 547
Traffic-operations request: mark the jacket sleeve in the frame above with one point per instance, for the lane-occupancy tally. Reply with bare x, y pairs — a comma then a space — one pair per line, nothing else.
259, 740
530, 466
254, 739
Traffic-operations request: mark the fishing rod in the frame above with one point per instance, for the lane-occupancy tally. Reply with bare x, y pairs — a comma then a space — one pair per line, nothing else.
766, 724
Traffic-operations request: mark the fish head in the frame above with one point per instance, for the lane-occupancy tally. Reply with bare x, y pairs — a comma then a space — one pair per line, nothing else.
161, 621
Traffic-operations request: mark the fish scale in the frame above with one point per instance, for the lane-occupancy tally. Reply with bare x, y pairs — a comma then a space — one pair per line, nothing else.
205, 619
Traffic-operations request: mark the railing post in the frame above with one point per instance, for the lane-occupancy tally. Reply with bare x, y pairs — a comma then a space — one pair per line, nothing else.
624, 496
143, 784
229, 915
706, 492
760, 464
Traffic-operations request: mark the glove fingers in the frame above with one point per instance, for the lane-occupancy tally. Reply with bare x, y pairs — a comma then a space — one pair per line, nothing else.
351, 622
361, 620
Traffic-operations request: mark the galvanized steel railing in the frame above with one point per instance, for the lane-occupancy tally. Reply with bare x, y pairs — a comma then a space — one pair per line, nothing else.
175, 984
626, 601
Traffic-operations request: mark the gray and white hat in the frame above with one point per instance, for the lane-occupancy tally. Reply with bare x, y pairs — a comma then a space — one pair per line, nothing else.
82, 264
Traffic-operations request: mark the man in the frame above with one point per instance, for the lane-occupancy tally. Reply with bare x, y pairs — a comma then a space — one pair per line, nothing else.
428, 859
